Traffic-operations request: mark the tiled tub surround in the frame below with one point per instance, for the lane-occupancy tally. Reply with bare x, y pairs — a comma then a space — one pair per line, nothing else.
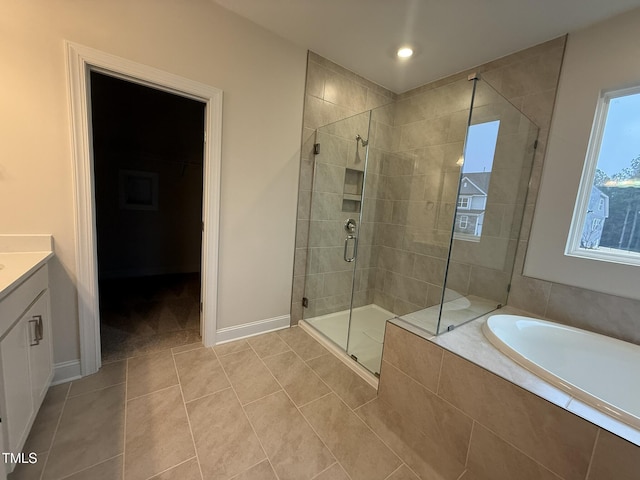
460, 417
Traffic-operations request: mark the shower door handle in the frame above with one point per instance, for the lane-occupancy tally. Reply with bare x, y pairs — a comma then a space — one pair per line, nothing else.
346, 248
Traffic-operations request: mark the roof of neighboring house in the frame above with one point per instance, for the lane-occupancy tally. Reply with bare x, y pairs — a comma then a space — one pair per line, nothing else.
470, 212
476, 183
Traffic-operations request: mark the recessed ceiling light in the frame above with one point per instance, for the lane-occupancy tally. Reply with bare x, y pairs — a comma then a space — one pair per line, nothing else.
405, 52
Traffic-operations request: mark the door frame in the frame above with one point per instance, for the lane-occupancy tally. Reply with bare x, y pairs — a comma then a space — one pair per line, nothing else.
81, 60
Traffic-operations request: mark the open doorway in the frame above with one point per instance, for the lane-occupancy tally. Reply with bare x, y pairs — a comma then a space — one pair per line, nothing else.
148, 150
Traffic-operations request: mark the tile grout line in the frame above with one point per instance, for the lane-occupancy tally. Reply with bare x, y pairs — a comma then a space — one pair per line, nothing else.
98, 389
326, 469
462, 474
151, 393
331, 391
247, 417
399, 467
205, 396
171, 468
508, 442
64, 404
249, 468
311, 401
297, 408
377, 436
593, 454
90, 467
186, 413
466, 458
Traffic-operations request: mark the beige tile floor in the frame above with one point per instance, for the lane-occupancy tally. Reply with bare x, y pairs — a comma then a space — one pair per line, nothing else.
275, 406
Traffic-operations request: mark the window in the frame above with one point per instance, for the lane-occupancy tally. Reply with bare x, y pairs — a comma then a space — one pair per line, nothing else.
463, 202
464, 221
606, 219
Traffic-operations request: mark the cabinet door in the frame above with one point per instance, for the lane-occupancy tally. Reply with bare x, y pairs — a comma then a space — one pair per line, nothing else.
19, 406
40, 355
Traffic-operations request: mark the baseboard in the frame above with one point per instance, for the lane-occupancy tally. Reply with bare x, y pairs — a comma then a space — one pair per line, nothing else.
66, 371
238, 332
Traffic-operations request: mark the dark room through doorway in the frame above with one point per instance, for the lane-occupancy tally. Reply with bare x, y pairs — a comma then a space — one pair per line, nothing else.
148, 150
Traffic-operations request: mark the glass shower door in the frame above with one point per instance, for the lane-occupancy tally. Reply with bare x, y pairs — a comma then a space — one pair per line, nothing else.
334, 226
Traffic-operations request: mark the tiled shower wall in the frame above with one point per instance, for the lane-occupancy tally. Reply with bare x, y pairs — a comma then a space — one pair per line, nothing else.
332, 93
528, 79
418, 187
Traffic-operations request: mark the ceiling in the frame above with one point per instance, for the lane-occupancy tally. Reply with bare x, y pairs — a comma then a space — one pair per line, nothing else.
448, 36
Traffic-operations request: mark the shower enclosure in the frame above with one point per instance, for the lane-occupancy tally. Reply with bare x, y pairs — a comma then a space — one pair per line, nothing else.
415, 213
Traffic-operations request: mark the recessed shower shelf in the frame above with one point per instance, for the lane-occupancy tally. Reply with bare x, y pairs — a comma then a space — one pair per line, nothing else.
352, 192
354, 198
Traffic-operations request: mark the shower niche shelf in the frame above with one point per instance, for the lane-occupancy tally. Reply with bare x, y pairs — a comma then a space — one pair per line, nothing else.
352, 191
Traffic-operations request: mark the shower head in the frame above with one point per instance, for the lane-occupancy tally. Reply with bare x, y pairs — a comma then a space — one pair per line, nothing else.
361, 140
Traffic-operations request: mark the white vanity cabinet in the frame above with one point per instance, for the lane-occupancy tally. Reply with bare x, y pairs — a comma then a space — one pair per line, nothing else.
25, 357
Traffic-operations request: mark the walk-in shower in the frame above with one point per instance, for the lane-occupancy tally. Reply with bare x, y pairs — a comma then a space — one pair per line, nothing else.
419, 221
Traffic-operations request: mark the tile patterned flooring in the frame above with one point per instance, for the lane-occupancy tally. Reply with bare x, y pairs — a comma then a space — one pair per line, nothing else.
276, 406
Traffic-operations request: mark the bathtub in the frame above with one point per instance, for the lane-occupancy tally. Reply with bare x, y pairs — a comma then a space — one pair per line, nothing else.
601, 371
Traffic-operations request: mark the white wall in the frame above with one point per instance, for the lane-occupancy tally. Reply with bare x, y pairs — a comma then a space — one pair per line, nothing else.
604, 56
262, 77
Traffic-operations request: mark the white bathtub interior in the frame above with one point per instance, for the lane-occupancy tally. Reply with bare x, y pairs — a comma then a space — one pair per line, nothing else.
599, 370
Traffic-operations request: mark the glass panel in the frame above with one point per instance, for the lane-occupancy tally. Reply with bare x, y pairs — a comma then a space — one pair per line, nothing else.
417, 202
491, 198
334, 227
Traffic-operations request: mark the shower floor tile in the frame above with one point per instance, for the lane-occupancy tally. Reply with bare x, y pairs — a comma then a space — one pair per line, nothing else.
368, 323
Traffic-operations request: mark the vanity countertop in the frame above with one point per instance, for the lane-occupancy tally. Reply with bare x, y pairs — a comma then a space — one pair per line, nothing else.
17, 266
20, 256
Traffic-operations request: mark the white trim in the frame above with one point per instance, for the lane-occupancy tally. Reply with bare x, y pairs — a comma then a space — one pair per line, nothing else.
66, 371
80, 60
361, 371
229, 334
592, 158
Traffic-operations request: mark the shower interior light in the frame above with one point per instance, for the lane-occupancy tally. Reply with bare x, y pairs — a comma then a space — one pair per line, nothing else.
405, 52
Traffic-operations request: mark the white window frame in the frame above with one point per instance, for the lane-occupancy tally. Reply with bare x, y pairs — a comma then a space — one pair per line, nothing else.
601, 204
596, 223
586, 183
468, 201
466, 221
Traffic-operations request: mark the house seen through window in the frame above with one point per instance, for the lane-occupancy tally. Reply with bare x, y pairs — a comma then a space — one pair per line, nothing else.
474, 180
606, 220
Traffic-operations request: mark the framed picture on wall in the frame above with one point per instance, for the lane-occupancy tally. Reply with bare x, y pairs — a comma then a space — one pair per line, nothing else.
138, 190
